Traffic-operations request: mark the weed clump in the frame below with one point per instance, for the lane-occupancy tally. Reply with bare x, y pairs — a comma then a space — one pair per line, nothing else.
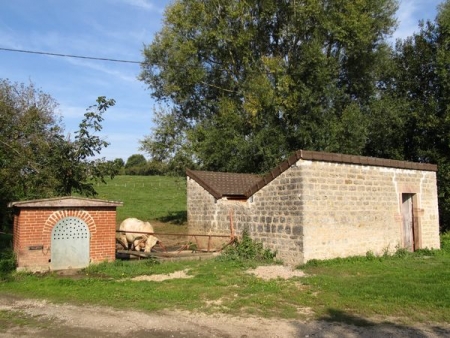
247, 249
399, 253
445, 242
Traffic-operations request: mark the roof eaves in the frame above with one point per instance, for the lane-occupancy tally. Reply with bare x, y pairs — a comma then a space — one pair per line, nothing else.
203, 184
333, 157
64, 201
318, 156
363, 160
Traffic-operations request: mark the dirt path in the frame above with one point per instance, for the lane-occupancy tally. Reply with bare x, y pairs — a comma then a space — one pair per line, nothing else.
39, 318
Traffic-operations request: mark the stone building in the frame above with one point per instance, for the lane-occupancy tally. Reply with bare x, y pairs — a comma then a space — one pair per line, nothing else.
63, 233
318, 205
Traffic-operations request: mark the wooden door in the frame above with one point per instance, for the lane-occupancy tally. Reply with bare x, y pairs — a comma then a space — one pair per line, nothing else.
408, 221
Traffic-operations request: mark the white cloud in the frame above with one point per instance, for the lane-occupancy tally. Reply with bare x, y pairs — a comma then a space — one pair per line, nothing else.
144, 4
406, 20
72, 112
129, 75
141, 3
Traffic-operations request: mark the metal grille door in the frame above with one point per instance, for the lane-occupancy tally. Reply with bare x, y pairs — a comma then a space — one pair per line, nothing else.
70, 244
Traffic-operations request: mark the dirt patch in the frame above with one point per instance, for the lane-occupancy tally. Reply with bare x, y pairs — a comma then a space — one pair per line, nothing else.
163, 277
265, 272
276, 271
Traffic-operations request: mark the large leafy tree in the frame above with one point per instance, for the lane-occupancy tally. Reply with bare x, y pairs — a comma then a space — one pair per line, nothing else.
168, 143
250, 81
420, 85
36, 159
27, 122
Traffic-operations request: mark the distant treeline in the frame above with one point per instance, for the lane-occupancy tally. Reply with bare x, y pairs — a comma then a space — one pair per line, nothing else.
137, 164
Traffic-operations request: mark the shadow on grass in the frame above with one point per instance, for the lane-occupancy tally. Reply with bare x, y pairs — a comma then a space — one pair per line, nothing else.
175, 217
342, 317
337, 323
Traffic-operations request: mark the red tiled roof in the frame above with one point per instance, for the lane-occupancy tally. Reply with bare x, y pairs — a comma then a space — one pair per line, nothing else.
244, 185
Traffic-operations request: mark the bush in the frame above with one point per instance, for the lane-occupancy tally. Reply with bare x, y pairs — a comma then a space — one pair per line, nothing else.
7, 263
445, 242
247, 249
7, 258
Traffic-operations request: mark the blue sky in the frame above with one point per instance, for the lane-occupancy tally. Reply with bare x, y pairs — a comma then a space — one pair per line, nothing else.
113, 29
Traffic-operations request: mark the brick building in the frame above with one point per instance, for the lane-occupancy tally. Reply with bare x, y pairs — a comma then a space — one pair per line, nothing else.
63, 233
318, 205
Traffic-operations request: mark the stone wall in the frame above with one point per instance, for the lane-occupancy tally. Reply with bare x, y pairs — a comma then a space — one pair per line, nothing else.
321, 210
272, 216
209, 216
352, 209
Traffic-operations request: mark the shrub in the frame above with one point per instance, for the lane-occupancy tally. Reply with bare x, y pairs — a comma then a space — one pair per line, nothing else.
402, 253
445, 242
248, 249
7, 262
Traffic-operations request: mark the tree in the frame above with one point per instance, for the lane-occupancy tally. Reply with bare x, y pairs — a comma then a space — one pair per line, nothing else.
251, 81
119, 163
136, 160
415, 104
36, 159
135, 165
27, 122
70, 160
168, 146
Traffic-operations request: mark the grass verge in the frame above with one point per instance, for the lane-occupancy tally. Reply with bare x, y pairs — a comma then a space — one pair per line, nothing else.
407, 288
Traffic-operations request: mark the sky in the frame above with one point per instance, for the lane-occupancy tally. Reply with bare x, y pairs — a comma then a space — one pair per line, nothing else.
110, 29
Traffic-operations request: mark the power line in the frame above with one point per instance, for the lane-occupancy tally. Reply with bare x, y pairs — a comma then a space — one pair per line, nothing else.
67, 55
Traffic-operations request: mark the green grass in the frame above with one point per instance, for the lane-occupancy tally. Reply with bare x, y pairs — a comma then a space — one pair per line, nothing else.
14, 319
216, 286
415, 288
411, 288
148, 198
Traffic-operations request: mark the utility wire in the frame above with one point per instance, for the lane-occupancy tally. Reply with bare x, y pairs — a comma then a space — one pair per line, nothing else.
67, 55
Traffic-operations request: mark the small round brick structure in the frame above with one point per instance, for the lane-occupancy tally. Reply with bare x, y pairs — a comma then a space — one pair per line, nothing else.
63, 233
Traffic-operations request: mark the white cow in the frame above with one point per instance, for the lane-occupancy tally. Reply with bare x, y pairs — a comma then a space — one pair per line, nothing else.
138, 240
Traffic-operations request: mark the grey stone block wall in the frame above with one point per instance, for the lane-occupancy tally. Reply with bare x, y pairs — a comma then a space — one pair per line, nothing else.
353, 209
321, 210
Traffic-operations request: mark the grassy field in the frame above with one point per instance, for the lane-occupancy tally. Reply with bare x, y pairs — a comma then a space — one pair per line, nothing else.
148, 198
407, 288
404, 288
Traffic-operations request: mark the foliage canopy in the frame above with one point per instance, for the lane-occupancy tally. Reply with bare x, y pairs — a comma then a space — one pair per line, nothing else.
36, 159
250, 81
246, 83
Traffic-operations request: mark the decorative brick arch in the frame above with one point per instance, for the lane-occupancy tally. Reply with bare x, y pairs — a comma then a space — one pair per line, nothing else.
56, 216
